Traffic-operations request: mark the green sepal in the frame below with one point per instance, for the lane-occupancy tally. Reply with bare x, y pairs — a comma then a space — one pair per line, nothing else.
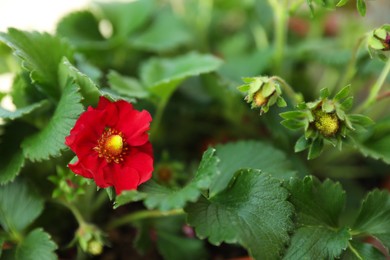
315, 148
324, 93
293, 124
361, 6
301, 144
343, 93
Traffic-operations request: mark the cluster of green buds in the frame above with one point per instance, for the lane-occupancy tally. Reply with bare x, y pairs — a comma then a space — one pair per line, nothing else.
379, 41
263, 92
90, 239
324, 120
67, 185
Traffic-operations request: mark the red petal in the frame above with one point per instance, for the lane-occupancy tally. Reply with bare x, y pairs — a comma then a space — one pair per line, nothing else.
125, 179
141, 159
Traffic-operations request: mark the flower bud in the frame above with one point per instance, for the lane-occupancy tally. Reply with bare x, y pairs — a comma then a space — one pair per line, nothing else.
326, 123
90, 239
379, 41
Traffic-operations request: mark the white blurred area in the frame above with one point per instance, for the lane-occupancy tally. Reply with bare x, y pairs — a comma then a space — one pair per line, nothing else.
39, 15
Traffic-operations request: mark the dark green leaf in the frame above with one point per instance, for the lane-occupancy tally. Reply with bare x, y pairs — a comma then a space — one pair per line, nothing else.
166, 33
51, 140
316, 148
373, 218
19, 206
317, 242
252, 211
126, 85
88, 88
249, 154
5, 114
128, 196
162, 76
36, 245
41, 54
301, 145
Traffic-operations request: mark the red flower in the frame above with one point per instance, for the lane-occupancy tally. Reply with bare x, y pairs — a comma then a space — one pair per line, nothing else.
112, 145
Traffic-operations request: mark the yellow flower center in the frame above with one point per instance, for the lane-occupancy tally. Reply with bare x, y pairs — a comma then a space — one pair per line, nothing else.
112, 146
326, 123
259, 99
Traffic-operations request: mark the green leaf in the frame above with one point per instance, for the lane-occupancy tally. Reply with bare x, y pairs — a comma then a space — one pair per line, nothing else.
341, 3
317, 243
373, 218
324, 93
19, 206
293, 124
361, 6
252, 211
126, 85
252, 154
362, 251
166, 33
11, 157
163, 76
125, 17
51, 140
315, 148
343, 93
293, 115
36, 245
88, 88
5, 114
164, 198
318, 208
301, 145
82, 29
41, 54
362, 120
376, 141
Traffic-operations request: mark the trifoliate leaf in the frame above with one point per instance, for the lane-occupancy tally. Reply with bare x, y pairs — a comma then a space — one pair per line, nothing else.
51, 140
252, 154
125, 17
36, 245
317, 242
88, 88
373, 218
82, 29
163, 76
358, 250
166, 33
41, 54
318, 208
19, 206
376, 141
126, 85
5, 114
252, 211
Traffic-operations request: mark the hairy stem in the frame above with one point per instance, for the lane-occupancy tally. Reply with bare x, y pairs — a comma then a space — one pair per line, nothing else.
144, 214
295, 97
75, 211
354, 251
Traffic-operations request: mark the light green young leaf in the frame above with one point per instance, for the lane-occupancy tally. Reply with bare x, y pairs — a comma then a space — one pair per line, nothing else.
166, 33
252, 211
163, 76
6, 114
36, 245
373, 218
318, 208
82, 29
253, 155
41, 54
125, 17
51, 140
19, 206
88, 88
126, 85
341, 3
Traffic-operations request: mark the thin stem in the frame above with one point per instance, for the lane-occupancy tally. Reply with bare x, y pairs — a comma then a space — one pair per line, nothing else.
354, 251
144, 214
376, 88
280, 24
350, 70
75, 211
295, 97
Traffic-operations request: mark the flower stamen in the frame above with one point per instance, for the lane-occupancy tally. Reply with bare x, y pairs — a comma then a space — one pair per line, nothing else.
111, 146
